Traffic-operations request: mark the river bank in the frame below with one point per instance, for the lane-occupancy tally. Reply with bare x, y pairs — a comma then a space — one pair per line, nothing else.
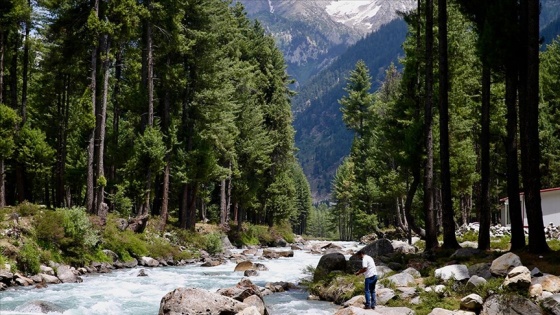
123, 292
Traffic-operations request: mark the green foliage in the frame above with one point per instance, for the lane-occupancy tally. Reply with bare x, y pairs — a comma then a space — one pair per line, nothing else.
121, 202
8, 122
431, 300
27, 209
126, 244
213, 243
28, 258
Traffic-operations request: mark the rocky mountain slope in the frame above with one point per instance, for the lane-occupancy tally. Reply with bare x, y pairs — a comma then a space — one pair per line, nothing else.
313, 33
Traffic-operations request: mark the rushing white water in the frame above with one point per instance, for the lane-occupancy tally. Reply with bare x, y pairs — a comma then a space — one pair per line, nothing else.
123, 292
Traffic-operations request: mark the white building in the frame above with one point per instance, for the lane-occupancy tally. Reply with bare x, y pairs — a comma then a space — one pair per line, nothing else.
550, 203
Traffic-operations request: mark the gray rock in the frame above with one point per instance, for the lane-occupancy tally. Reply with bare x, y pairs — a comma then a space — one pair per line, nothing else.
46, 270
384, 295
403, 247
535, 290
518, 278
6, 276
270, 253
244, 265
379, 248
481, 270
552, 304
474, 282
40, 307
226, 243
384, 310
465, 252
472, 302
198, 301
413, 272
382, 271
49, 279
148, 261
503, 264
66, 274
142, 273
251, 310
536, 272
455, 272
358, 301
257, 302
406, 292
442, 311
329, 263
401, 279
250, 273
260, 267
511, 304
550, 283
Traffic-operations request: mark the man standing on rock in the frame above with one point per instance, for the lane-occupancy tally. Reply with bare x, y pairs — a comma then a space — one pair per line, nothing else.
370, 272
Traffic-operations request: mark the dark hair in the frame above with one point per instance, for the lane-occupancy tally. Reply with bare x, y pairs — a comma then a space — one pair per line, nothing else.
361, 252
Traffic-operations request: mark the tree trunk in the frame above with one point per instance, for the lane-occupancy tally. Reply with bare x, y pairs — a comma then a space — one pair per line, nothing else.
514, 204
2, 49
90, 197
183, 207
165, 192
449, 239
484, 207
101, 119
408, 205
25, 70
223, 202
529, 118
429, 213
2, 185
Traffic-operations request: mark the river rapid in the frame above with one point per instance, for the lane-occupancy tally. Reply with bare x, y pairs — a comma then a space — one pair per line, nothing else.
123, 292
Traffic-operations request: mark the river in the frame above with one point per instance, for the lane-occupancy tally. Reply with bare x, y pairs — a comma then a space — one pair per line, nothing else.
123, 292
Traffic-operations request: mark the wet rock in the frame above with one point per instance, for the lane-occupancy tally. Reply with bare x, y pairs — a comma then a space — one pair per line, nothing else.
250, 273
142, 273
329, 263
66, 274
40, 307
244, 265
198, 301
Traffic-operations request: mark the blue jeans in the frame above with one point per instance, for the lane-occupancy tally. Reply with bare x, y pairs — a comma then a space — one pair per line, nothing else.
370, 291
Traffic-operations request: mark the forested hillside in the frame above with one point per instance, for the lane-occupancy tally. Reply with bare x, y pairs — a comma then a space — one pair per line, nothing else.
170, 108
321, 137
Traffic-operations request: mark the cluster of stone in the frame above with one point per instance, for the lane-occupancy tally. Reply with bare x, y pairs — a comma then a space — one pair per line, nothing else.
535, 292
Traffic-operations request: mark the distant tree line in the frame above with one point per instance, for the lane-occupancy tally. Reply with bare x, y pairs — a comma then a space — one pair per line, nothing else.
173, 108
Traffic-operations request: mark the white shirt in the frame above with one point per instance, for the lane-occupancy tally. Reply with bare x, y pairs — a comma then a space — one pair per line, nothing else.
369, 264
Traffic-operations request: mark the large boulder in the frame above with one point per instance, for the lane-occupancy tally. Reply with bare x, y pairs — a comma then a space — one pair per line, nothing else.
49, 279
6, 276
503, 264
328, 263
481, 270
384, 295
138, 224
257, 302
403, 247
66, 274
378, 248
270, 253
474, 282
148, 261
352, 310
242, 290
548, 282
244, 265
401, 279
183, 301
472, 302
518, 278
454, 272
511, 304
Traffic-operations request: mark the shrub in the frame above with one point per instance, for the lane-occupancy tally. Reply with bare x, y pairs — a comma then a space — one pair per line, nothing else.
126, 244
122, 203
213, 243
27, 209
49, 229
28, 258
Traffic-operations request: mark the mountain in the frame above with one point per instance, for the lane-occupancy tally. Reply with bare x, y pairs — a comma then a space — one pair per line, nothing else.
312, 33
321, 136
